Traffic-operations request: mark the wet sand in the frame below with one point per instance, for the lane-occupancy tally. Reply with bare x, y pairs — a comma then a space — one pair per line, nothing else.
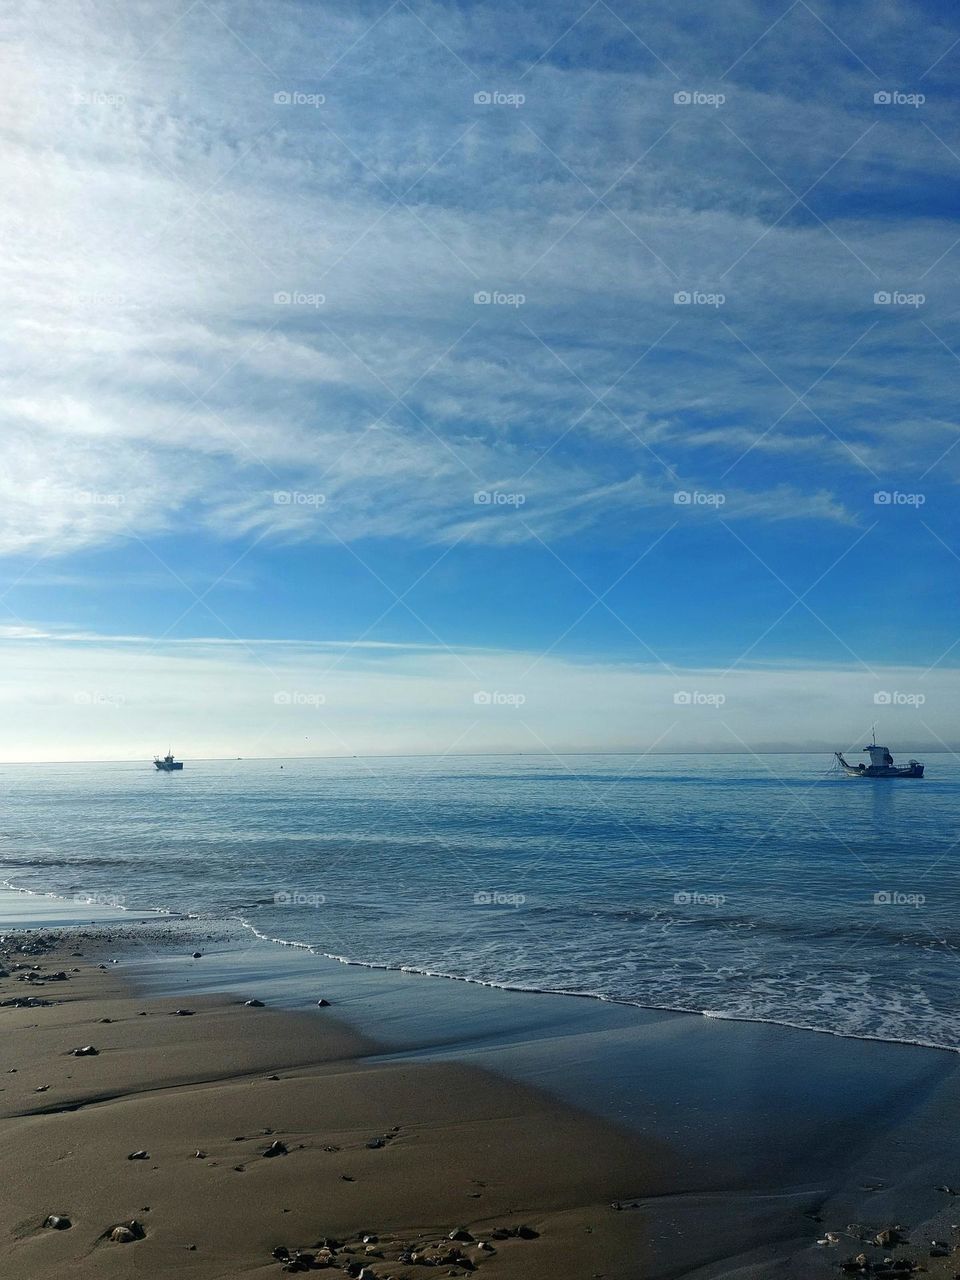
406, 1153
628, 1143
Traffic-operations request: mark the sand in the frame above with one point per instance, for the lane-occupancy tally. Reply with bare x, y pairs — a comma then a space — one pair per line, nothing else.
457, 1147
747, 1143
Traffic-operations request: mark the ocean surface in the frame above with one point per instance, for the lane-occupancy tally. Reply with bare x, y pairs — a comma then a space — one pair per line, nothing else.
765, 888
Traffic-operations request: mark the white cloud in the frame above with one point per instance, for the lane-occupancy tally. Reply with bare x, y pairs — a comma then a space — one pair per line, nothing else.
163, 224
88, 697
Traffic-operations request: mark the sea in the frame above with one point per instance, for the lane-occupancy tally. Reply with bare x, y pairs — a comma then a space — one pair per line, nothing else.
767, 888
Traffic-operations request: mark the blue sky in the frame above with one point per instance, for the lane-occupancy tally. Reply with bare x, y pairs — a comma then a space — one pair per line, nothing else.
256, 399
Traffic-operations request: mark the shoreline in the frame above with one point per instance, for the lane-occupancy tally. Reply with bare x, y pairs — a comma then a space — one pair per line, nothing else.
732, 1145
121, 914
441, 1164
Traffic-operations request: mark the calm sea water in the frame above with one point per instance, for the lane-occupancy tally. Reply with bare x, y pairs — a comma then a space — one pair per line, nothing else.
742, 887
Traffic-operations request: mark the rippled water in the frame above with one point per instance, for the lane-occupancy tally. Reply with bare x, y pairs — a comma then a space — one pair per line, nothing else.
761, 888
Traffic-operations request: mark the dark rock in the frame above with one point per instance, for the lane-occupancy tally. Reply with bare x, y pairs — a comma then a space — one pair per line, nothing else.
88, 1051
275, 1148
139, 1155
254, 1004
198, 955
323, 1004
374, 1143
526, 1233
182, 1013
461, 1233
58, 1222
281, 1253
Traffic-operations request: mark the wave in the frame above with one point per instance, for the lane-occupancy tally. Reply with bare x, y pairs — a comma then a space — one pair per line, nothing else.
236, 917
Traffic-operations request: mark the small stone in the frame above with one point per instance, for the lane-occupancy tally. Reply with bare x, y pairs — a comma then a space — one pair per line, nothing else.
41, 1088
275, 1148
253, 1004
460, 1233
323, 1004
127, 1232
58, 1222
374, 1143
182, 1013
281, 1253
526, 1233
198, 955
88, 1051
199, 1155
139, 1155
887, 1237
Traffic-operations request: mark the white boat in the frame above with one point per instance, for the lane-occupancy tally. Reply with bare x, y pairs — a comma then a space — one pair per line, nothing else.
881, 764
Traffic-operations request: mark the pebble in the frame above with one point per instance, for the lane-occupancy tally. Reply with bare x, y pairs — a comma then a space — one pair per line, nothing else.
88, 1051
139, 1155
198, 955
182, 1013
200, 1155
127, 1232
253, 1004
323, 1004
276, 1148
58, 1222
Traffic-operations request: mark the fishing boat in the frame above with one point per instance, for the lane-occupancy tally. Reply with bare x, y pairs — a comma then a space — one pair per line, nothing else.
167, 764
881, 764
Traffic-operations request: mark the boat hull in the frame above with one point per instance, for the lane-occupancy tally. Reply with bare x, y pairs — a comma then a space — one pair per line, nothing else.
875, 771
163, 767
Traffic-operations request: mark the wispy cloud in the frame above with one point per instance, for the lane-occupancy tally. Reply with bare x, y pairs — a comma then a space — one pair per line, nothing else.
157, 385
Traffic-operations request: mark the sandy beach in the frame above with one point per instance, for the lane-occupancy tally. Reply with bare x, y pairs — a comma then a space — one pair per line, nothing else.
384, 1161
406, 1157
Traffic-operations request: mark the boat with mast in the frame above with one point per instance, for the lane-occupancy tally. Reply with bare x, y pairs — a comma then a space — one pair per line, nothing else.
167, 764
881, 764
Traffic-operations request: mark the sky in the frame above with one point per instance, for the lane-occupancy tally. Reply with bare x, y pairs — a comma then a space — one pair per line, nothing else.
388, 377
